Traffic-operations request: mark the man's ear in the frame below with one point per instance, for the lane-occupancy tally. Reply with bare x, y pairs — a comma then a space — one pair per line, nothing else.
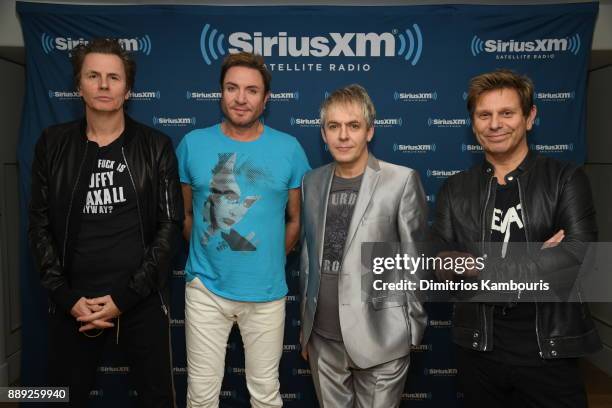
531, 117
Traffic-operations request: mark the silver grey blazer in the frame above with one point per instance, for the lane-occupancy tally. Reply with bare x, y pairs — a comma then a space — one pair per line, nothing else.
390, 207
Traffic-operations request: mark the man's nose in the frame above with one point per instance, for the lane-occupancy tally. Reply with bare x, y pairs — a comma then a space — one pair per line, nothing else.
241, 96
495, 122
343, 132
103, 82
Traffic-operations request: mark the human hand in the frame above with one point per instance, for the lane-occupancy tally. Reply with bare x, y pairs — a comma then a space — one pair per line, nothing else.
554, 240
103, 309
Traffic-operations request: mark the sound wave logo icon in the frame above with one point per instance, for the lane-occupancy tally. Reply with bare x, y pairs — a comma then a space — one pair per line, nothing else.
415, 44
47, 43
144, 44
477, 46
211, 44
574, 44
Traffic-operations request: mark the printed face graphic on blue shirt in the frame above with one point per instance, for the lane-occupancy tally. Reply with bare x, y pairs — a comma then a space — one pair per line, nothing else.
225, 208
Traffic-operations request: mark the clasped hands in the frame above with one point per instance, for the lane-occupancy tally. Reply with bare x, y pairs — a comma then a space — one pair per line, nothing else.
95, 313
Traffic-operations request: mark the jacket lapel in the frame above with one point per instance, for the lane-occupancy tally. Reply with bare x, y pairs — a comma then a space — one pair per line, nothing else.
323, 198
368, 185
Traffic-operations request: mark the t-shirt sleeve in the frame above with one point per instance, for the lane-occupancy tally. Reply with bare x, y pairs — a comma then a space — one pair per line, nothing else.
182, 154
300, 165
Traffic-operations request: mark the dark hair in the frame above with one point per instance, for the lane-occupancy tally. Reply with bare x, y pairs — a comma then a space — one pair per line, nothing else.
249, 60
103, 46
501, 79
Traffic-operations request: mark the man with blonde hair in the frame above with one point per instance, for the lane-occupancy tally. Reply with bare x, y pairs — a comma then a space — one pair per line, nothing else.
357, 342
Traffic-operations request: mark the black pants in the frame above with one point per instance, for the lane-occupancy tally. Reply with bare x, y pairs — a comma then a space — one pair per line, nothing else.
144, 339
490, 384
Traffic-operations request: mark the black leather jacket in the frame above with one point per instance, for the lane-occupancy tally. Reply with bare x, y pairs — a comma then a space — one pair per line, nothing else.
61, 169
554, 195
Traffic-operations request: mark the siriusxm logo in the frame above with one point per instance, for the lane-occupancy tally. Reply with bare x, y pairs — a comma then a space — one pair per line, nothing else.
96, 393
135, 44
203, 95
441, 173
557, 148
440, 323
445, 372
290, 347
542, 45
415, 96
425, 148
472, 148
227, 394
288, 396
179, 370
173, 121
144, 95
284, 96
291, 298
235, 370
178, 273
177, 322
407, 44
431, 198
305, 122
301, 371
554, 96
391, 122
416, 396
64, 94
421, 347
113, 370
448, 123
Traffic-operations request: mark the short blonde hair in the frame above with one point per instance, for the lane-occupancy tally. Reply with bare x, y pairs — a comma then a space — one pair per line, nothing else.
353, 93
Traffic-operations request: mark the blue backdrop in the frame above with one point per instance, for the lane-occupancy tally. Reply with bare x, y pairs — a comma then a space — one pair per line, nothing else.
415, 61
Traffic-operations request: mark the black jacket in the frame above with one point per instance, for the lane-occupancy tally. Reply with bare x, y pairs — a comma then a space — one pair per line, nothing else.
554, 195
63, 160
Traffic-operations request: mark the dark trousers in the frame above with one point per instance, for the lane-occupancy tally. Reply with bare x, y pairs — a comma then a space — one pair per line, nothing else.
491, 384
144, 339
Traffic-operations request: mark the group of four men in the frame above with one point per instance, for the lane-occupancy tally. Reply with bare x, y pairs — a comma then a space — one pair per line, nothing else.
109, 199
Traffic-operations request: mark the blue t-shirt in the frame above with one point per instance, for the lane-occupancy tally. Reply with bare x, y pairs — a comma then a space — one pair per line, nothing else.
240, 191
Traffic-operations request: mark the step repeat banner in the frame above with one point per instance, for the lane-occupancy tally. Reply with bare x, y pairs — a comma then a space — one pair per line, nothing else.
415, 61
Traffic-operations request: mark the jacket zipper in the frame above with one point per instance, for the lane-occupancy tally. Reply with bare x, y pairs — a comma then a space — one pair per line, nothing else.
484, 214
167, 198
525, 220
144, 246
483, 219
524, 213
70, 204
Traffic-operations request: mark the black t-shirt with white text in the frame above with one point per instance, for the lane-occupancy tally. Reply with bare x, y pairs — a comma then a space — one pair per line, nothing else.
108, 247
514, 324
